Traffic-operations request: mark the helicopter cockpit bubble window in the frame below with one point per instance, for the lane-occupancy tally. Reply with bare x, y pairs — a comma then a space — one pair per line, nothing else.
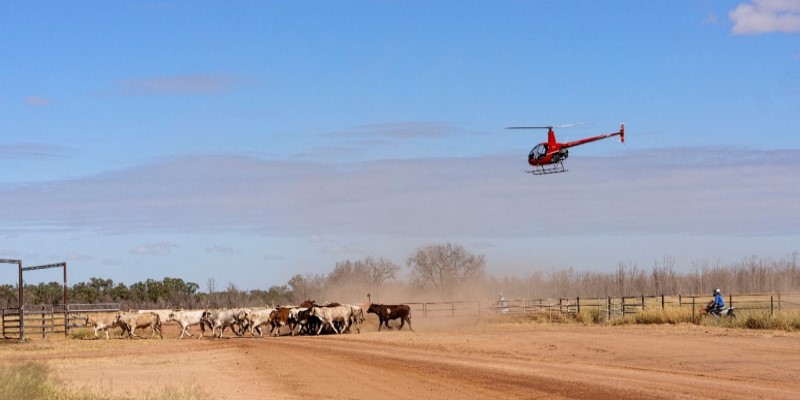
539, 151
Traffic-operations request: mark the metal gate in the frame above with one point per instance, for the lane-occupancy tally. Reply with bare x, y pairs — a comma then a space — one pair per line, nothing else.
48, 319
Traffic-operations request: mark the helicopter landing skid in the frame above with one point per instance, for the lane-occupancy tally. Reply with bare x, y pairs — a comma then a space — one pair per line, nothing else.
555, 169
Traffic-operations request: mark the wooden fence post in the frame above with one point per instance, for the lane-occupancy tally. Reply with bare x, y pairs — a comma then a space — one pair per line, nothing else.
578, 302
692, 308
608, 309
642, 302
771, 307
662, 301
43, 322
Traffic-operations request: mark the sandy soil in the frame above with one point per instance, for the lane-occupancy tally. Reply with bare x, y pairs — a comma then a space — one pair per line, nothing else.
441, 360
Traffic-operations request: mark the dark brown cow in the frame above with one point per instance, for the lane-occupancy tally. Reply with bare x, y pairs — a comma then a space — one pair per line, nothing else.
389, 312
283, 316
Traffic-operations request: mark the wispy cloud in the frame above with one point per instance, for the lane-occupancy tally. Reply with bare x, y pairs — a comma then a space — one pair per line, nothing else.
38, 101
79, 257
176, 85
702, 191
221, 249
400, 130
33, 150
160, 249
765, 16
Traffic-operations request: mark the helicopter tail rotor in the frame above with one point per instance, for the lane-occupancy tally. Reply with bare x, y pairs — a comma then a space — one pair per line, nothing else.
622, 133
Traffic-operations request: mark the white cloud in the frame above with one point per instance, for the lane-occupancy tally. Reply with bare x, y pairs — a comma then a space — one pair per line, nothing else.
670, 191
79, 257
764, 16
160, 249
220, 249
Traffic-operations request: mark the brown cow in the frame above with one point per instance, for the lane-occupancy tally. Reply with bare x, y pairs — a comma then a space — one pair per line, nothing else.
283, 316
389, 312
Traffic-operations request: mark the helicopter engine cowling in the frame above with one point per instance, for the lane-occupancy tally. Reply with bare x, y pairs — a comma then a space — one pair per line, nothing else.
560, 156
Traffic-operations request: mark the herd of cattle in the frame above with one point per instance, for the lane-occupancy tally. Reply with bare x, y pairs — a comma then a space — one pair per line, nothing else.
307, 318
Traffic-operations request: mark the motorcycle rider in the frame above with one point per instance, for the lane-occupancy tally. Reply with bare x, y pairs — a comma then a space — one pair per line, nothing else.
716, 305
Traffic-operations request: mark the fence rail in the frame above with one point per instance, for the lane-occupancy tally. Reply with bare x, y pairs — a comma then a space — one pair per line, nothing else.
610, 307
47, 319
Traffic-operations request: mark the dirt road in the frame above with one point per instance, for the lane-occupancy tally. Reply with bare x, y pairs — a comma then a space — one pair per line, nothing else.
469, 361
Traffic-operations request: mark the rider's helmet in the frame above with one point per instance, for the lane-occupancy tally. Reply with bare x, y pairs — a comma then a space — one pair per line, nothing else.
716, 291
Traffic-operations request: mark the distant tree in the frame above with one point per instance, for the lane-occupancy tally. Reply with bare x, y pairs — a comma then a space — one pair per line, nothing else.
367, 272
307, 287
44, 293
9, 296
444, 266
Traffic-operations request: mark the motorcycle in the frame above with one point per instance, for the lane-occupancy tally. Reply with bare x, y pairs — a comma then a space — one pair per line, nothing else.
725, 312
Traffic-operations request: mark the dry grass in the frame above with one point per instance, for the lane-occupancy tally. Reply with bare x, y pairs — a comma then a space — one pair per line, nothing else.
784, 321
33, 381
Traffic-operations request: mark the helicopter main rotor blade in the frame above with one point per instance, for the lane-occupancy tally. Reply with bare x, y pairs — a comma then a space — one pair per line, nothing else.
573, 124
529, 127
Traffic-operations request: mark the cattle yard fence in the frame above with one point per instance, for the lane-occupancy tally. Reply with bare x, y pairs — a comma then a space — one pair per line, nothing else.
607, 307
48, 319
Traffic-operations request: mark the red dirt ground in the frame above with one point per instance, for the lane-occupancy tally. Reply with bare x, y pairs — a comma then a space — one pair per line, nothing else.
462, 359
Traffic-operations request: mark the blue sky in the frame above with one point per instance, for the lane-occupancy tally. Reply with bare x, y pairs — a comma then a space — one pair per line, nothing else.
251, 141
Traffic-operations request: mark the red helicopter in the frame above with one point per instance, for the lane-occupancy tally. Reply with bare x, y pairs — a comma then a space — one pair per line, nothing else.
549, 156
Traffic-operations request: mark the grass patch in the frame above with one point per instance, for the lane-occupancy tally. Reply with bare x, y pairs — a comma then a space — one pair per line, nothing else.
780, 321
82, 334
33, 381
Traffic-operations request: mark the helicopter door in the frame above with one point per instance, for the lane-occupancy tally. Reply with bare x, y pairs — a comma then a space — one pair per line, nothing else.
538, 152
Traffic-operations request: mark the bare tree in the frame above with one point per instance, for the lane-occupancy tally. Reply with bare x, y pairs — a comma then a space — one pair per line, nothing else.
306, 287
444, 266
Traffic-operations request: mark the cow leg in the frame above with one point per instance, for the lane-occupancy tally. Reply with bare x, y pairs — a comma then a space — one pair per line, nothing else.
408, 319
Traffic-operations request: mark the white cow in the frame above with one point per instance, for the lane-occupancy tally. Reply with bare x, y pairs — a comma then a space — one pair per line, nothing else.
188, 318
132, 321
257, 318
103, 321
221, 319
329, 315
357, 317
163, 315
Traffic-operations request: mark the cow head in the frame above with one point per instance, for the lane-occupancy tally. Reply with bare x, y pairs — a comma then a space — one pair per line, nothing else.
374, 308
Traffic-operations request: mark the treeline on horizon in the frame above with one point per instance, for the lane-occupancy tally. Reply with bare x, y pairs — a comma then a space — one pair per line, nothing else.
437, 272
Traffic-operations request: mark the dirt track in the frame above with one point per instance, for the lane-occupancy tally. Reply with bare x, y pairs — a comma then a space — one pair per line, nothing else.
456, 362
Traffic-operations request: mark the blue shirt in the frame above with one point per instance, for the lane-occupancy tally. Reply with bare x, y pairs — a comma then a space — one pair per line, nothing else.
718, 301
